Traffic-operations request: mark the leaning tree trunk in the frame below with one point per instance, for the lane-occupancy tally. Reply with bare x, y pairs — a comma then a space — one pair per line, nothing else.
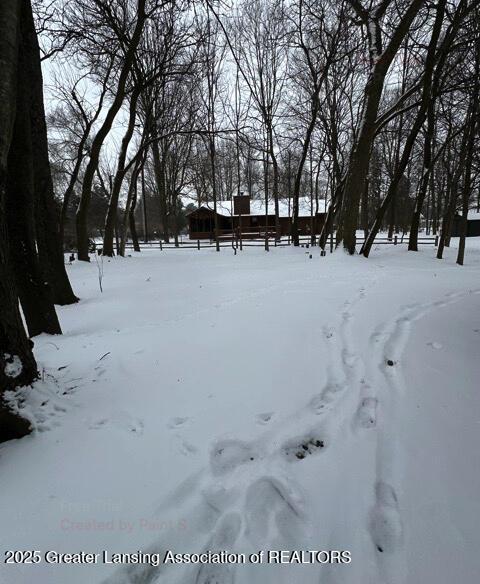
47, 220
447, 224
159, 171
360, 156
131, 198
34, 291
418, 123
467, 183
111, 218
299, 172
17, 363
428, 160
131, 220
82, 211
424, 181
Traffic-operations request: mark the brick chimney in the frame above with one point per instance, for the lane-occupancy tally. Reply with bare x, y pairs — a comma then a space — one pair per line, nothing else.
241, 205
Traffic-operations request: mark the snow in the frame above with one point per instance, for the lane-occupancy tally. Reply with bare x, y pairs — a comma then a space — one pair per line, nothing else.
206, 401
13, 367
473, 215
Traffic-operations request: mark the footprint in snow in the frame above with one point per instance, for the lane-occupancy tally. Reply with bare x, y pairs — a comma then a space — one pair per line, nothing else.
349, 359
330, 391
317, 404
226, 455
264, 418
121, 420
177, 422
366, 415
272, 509
135, 426
225, 536
97, 424
385, 523
220, 498
435, 345
299, 448
186, 448
328, 332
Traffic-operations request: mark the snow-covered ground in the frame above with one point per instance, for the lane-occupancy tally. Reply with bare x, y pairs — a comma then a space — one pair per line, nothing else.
263, 401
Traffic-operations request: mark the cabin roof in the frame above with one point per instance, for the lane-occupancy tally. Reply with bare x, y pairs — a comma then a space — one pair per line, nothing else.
257, 207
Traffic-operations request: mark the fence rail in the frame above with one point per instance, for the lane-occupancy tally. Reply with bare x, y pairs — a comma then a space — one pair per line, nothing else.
260, 242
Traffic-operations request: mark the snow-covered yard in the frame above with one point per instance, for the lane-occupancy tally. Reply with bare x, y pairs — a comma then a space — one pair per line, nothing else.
206, 401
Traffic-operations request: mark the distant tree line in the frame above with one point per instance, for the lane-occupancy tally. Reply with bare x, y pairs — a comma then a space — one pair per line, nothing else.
365, 106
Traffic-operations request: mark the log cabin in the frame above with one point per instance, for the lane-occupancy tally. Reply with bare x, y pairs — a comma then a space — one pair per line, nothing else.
473, 224
250, 218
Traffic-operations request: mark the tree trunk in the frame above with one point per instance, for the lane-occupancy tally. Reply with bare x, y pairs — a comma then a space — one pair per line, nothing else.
144, 207
467, 182
34, 291
361, 151
49, 241
447, 225
364, 208
418, 123
298, 175
131, 218
275, 187
213, 169
129, 215
159, 169
111, 217
82, 211
17, 363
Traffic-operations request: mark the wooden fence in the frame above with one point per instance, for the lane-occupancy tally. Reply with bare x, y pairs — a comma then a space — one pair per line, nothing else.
305, 241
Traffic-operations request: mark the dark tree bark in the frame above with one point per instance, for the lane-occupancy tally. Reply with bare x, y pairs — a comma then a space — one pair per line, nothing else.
299, 172
159, 170
17, 364
47, 220
473, 124
111, 218
33, 288
275, 185
131, 219
430, 130
144, 208
360, 156
418, 123
129, 215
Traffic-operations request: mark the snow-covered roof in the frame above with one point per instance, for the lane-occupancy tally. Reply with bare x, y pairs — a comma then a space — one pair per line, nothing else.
257, 207
473, 215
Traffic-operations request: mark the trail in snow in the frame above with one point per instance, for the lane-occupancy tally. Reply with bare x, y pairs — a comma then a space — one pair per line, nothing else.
384, 372
269, 511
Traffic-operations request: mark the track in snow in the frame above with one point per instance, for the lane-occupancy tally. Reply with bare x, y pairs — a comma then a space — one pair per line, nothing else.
239, 499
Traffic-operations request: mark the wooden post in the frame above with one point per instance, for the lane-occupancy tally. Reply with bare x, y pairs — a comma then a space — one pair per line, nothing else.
144, 205
161, 246
395, 240
240, 231
198, 244
331, 242
436, 240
